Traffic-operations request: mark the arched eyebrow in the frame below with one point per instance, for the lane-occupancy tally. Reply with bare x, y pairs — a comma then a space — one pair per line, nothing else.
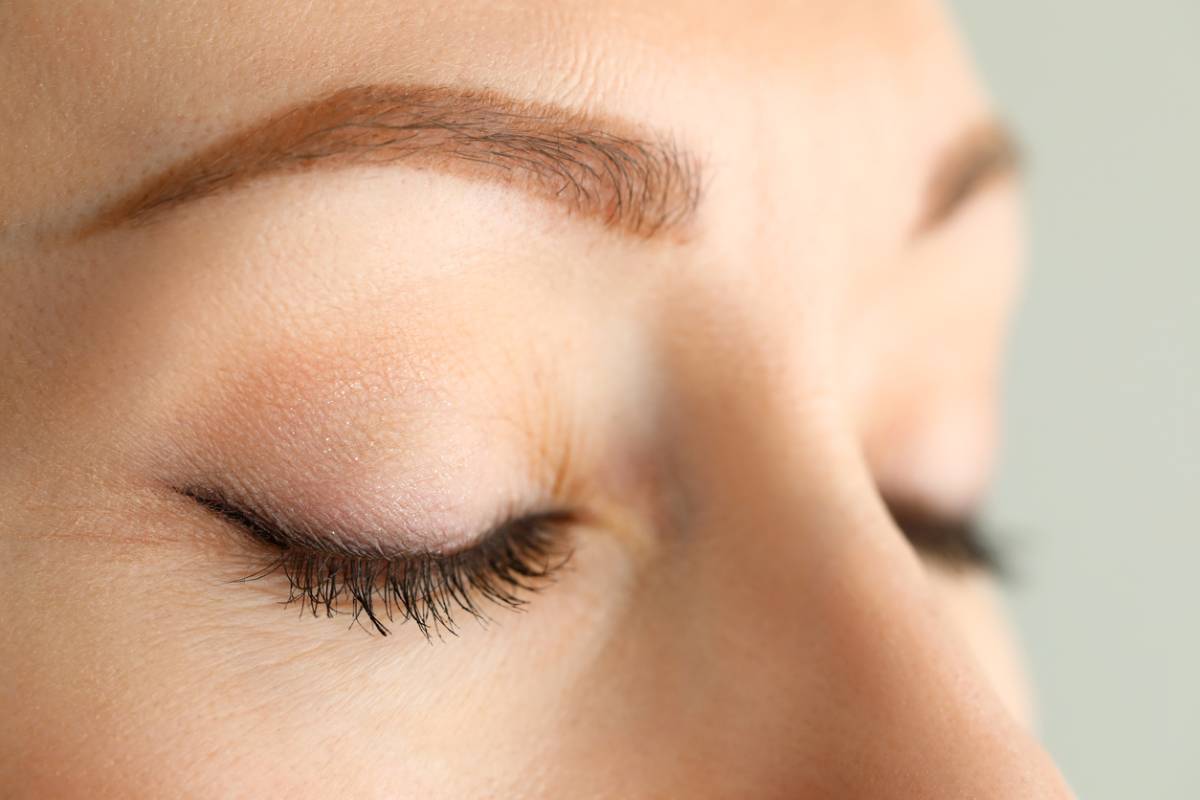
638, 182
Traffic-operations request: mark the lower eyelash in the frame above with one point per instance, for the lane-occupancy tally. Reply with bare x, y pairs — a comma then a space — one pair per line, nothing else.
517, 557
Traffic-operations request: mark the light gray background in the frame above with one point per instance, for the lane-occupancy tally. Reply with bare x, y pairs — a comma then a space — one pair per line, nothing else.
1100, 468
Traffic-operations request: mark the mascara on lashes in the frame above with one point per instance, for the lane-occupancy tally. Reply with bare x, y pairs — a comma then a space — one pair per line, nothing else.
516, 557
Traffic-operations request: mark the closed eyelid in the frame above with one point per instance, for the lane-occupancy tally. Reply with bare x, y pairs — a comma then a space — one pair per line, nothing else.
326, 572
270, 529
955, 540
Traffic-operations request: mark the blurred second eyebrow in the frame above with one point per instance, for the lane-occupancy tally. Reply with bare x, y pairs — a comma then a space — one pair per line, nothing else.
983, 153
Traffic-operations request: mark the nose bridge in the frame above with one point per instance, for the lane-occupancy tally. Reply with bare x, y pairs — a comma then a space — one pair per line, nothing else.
840, 647
757, 431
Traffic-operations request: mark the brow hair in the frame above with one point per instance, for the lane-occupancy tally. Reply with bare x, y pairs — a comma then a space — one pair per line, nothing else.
982, 153
637, 182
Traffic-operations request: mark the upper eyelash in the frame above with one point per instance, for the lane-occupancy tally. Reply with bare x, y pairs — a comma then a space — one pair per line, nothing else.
516, 557
954, 541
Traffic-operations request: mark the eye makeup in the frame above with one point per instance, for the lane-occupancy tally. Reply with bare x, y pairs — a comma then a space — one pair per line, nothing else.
377, 586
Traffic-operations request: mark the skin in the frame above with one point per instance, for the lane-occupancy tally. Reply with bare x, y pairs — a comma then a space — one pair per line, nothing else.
403, 349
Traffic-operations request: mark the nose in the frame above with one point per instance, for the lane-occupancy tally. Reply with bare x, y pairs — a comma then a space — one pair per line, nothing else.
847, 676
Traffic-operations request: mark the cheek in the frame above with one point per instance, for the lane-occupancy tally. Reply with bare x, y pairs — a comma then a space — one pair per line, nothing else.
225, 692
974, 608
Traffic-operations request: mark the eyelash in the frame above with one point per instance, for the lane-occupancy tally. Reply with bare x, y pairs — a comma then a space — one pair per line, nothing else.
519, 556
957, 542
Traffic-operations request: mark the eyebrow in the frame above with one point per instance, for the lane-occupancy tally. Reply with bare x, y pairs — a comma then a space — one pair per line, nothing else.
631, 180
984, 153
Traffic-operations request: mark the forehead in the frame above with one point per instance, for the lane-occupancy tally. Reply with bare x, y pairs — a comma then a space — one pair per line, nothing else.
796, 104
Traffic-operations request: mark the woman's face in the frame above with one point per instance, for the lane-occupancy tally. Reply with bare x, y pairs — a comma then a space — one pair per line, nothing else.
389, 311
